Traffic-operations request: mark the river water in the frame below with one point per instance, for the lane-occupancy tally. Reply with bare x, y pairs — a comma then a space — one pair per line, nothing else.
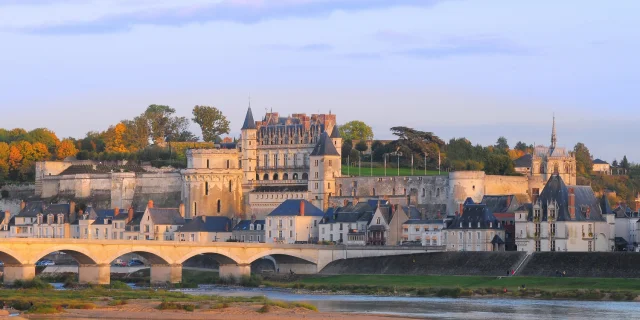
444, 308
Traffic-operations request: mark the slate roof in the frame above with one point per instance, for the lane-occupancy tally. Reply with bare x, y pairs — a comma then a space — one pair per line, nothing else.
249, 123
523, 162
501, 203
33, 208
474, 213
429, 221
244, 225
585, 200
207, 224
324, 147
291, 207
362, 211
598, 161
166, 216
137, 218
497, 240
335, 133
623, 211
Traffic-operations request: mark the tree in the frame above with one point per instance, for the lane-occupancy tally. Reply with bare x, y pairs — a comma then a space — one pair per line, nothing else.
45, 136
65, 149
584, 165
624, 163
161, 122
614, 163
40, 152
347, 146
521, 146
17, 134
136, 135
4, 161
362, 146
15, 161
356, 130
211, 121
502, 144
114, 139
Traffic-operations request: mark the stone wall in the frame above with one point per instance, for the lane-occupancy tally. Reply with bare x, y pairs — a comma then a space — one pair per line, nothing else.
439, 263
420, 190
584, 264
501, 185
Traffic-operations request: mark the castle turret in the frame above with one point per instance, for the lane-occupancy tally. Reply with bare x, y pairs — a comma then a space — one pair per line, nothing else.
325, 167
248, 143
337, 139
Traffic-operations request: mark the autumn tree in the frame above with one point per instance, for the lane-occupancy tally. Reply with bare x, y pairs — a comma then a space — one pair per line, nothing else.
65, 149
356, 130
113, 138
45, 136
584, 165
211, 121
4, 161
40, 152
136, 135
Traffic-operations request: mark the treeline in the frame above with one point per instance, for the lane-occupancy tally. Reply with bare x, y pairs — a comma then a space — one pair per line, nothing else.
157, 135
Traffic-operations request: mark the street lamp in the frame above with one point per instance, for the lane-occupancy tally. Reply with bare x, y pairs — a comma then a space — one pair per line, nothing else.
398, 154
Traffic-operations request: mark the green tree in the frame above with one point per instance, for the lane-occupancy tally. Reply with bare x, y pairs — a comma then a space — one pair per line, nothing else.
211, 121
624, 163
522, 146
356, 130
502, 144
45, 136
499, 164
584, 165
4, 161
362, 146
136, 137
161, 122
347, 146
614, 163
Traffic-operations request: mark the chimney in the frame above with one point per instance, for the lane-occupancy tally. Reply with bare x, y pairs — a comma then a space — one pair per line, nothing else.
72, 206
461, 208
253, 218
7, 216
302, 208
572, 204
535, 194
181, 209
345, 203
22, 205
150, 204
130, 214
116, 211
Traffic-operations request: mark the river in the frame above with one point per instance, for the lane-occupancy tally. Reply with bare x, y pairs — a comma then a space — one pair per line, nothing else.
444, 308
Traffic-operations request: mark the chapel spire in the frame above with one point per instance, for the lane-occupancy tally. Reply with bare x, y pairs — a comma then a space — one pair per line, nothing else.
553, 133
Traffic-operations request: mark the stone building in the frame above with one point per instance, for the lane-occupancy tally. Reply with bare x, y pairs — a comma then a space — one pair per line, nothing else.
475, 230
212, 183
249, 230
601, 166
565, 218
205, 229
293, 221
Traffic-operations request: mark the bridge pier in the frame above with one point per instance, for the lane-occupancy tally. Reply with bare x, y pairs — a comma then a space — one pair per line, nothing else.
166, 273
13, 272
94, 273
234, 270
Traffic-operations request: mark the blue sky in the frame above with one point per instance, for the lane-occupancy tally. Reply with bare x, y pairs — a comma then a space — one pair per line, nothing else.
478, 69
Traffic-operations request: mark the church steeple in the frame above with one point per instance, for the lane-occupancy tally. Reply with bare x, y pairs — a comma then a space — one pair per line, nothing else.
553, 133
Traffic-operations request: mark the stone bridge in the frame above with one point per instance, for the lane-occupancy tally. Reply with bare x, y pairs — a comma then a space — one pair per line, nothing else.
165, 258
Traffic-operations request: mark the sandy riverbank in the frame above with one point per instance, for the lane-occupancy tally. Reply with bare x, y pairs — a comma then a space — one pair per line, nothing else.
148, 310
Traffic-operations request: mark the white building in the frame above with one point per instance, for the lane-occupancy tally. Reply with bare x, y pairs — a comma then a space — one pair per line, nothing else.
293, 221
475, 230
626, 229
565, 218
161, 223
205, 229
348, 224
425, 232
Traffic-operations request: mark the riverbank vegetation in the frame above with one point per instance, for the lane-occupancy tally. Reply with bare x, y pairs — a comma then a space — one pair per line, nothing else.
466, 286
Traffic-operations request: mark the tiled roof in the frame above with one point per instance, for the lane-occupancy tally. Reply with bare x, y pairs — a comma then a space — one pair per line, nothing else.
362, 211
249, 123
335, 133
523, 162
598, 161
418, 221
244, 225
291, 207
166, 216
472, 214
587, 206
207, 224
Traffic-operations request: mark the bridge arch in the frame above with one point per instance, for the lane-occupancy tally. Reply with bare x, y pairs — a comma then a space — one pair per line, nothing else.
78, 253
280, 255
7, 256
151, 255
221, 256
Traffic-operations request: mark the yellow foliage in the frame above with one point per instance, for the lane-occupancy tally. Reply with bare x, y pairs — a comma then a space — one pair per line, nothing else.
515, 154
66, 148
113, 139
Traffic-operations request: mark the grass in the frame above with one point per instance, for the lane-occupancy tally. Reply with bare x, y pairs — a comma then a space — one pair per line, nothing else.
460, 286
366, 171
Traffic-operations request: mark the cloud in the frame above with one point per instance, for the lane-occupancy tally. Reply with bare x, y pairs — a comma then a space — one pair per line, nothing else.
467, 46
78, 17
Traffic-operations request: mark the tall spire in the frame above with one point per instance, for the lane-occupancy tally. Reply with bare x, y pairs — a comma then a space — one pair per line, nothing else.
248, 119
553, 133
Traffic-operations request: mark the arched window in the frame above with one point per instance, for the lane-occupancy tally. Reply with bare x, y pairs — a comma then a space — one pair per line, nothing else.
228, 164
285, 176
405, 191
207, 163
437, 192
542, 168
424, 192
556, 168
195, 208
295, 176
257, 176
218, 206
275, 176
305, 176
265, 177
206, 188
340, 192
373, 192
230, 186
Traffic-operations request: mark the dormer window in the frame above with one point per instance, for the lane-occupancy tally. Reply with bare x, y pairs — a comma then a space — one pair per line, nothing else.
258, 227
60, 218
478, 224
460, 224
40, 218
490, 224
469, 224
251, 227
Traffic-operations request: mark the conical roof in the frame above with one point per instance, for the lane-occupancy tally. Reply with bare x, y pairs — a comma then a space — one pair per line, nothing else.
249, 123
325, 147
335, 133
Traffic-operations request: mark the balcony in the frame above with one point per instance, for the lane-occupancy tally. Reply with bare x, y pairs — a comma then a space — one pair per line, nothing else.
283, 168
280, 182
587, 235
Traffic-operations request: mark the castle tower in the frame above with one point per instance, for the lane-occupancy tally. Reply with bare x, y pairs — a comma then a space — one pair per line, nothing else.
325, 167
249, 144
337, 139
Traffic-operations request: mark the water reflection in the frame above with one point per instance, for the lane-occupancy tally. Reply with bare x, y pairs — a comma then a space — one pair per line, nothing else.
447, 308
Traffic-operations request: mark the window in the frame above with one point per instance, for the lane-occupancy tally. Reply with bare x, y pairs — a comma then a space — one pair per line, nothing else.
250, 238
242, 238
218, 205
230, 186
258, 238
478, 235
331, 227
251, 226
146, 228
269, 233
316, 163
330, 162
290, 223
315, 223
258, 227
290, 233
538, 246
228, 164
206, 188
207, 163
378, 220
316, 175
590, 246
269, 222
553, 245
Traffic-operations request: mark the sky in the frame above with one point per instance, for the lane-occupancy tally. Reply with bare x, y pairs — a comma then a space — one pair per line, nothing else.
478, 69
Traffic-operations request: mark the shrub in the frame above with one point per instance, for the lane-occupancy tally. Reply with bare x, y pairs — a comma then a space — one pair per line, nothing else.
264, 309
119, 285
165, 305
445, 292
21, 305
81, 305
35, 283
223, 305
45, 309
251, 281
